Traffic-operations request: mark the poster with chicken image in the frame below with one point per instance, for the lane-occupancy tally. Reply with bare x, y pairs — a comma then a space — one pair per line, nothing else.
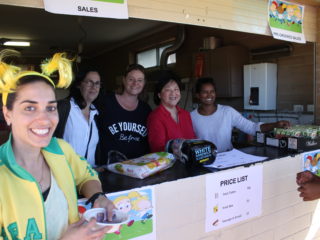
286, 20
311, 162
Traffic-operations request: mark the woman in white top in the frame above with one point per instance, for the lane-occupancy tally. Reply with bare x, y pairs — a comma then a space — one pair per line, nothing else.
80, 128
214, 122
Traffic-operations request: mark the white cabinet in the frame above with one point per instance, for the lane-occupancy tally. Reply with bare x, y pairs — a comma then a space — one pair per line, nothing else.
260, 86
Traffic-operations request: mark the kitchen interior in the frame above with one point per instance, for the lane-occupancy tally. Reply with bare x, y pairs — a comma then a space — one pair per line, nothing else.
227, 56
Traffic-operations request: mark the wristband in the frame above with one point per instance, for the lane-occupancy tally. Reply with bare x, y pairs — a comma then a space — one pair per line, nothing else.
94, 197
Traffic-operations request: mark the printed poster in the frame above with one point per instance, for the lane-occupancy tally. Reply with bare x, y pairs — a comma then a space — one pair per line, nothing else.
233, 196
91, 8
310, 162
286, 20
140, 205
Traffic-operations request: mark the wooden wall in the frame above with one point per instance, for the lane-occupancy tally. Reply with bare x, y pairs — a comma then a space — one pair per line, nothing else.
244, 15
295, 77
238, 15
317, 72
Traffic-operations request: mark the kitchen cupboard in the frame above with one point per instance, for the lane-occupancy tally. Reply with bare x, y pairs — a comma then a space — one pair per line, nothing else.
225, 66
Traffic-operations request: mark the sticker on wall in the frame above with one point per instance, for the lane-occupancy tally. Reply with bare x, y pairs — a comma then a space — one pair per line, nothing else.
91, 8
286, 20
311, 162
139, 205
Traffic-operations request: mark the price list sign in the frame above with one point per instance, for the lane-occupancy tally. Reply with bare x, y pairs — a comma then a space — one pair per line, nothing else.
233, 196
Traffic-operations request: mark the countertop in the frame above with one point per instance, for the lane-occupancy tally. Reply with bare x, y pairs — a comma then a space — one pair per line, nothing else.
112, 182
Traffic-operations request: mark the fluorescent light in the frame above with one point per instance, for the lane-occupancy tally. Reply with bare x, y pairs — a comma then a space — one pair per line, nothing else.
17, 43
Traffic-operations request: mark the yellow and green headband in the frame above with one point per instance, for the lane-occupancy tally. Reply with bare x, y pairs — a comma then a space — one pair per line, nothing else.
10, 75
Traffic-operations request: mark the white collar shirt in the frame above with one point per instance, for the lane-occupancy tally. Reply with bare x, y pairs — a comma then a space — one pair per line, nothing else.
77, 132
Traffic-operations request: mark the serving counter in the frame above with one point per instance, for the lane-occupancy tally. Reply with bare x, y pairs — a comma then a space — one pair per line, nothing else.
180, 196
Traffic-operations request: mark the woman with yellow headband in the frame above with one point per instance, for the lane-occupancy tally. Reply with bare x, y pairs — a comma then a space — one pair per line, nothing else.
39, 175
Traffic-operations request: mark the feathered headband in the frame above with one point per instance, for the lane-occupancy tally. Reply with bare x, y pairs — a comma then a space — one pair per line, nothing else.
10, 75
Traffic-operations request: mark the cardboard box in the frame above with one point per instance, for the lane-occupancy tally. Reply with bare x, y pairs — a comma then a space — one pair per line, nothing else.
296, 144
303, 144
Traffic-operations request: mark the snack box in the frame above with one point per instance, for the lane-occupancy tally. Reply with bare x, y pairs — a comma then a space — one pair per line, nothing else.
303, 144
265, 139
295, 144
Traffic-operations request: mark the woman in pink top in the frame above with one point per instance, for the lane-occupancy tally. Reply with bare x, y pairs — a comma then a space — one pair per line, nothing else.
168, 121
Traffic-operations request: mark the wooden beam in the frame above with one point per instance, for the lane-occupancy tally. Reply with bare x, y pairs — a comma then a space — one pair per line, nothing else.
317, 73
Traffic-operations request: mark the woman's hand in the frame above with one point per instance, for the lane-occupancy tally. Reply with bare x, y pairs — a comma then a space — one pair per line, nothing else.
84, 231
104, 202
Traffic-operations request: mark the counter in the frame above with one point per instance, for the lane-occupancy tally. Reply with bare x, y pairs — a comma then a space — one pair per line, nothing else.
112, 182
180, 202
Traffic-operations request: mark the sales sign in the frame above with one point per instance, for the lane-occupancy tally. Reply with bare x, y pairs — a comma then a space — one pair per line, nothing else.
92, 8
233, 196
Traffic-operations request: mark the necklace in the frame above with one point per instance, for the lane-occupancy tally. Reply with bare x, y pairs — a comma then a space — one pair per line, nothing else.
41, 178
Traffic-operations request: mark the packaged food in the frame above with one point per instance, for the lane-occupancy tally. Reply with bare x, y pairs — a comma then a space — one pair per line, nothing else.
192, 151
144, 166
299, 131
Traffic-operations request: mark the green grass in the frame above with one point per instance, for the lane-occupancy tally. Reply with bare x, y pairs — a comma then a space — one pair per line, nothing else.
291, 27
135, 230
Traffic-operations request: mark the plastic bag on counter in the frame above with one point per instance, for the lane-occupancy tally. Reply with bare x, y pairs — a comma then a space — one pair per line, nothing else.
144, 166
192, 152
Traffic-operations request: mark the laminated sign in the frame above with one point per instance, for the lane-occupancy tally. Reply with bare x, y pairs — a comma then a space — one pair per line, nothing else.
92, 8
286, 21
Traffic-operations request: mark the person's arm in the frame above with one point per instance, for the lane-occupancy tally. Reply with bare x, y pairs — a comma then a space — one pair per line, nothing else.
266, 127
93, 187
86, 179
156, 134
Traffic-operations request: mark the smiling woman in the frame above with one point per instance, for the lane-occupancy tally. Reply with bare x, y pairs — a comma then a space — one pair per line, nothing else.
168, 121
42, 169
124, 117
78, 115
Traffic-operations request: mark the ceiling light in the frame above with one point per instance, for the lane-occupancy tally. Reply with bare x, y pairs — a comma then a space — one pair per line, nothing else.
17, 43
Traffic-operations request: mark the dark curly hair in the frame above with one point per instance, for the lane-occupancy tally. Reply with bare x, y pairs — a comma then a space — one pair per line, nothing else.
205, 80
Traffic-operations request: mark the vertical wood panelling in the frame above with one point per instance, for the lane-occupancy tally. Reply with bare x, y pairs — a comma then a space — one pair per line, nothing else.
244, 15
239, 15
317, 72
294, 74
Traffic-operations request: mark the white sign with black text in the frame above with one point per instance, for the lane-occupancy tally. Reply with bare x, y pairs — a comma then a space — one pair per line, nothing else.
92, 8
233, 196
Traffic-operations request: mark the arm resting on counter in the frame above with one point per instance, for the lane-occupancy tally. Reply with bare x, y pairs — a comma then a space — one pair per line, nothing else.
266, 127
